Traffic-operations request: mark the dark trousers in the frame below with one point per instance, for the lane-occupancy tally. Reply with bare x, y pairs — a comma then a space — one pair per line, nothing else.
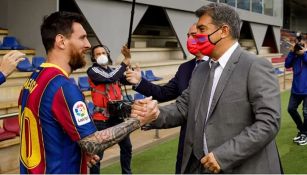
195, 167
180, 148
125, 150
294, 101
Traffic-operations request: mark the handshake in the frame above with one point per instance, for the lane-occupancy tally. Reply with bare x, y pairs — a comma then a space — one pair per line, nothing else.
145, 110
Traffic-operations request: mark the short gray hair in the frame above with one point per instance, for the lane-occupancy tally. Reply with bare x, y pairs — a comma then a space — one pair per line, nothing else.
222, 14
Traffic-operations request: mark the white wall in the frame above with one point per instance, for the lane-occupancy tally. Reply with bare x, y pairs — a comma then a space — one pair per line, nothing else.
110, 21
3, 13
25, 18
192, 5
298, 18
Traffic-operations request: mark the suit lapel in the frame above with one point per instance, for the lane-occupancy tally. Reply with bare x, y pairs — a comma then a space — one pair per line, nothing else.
231, 64
202, 77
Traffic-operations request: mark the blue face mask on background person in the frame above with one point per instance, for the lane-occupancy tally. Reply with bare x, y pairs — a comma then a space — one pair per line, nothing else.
102, 60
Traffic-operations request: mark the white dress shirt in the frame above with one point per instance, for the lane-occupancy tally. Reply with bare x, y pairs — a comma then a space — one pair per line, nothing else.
218, 71
217, 74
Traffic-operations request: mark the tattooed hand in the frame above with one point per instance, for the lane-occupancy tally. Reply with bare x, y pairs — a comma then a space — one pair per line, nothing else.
101, 140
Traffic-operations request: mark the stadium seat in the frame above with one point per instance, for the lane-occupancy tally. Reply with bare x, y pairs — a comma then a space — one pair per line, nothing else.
25, 66
278, 60
11, 43
37, 61
289, 69
72, 80
90, 106
4, 135
127, 97
150, 76
277, 71
11, 124
138, 96
143, 75
83, 83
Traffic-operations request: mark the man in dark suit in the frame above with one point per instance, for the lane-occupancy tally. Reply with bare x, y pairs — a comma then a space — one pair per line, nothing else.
232, 104
173, 88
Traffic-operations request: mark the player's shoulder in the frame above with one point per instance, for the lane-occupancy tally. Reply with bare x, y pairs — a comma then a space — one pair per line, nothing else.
61, 81
69, 85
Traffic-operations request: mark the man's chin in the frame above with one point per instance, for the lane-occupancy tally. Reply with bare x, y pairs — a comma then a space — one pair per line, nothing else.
75, 67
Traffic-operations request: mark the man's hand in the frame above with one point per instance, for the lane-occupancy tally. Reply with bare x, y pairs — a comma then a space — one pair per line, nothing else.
210, 163
134, 76
291, 49
92, 160
301, 52
10, 61
126, 52
146, 110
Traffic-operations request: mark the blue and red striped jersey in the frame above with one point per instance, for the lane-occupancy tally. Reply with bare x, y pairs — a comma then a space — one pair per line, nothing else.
53, 117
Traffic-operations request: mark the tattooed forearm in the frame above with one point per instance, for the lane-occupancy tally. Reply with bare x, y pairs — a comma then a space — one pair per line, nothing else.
101, 140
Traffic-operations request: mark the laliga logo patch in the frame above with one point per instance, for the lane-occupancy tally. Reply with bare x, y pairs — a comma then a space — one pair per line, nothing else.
80, 113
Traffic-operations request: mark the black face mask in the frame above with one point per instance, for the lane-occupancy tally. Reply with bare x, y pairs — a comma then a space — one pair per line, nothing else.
212, 34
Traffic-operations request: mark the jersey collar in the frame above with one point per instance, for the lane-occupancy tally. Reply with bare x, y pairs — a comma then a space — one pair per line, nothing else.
55, 66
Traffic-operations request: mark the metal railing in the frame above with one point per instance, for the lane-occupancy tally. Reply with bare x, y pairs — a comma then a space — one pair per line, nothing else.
3, 116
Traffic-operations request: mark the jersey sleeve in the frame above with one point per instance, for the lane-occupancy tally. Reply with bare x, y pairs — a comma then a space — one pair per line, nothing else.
2, 78
71, 112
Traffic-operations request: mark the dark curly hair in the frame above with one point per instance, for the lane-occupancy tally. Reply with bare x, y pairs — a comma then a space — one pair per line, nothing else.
58, 23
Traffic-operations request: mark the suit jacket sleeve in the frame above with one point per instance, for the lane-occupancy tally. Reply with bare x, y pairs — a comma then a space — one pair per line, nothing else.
264, 98
289, 60
2, 78
174, 114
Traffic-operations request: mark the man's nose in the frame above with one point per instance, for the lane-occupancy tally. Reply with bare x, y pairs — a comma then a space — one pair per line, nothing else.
87, 44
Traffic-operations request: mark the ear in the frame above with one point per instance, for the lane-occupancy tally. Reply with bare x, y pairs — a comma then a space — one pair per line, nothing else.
225, 31
60, 41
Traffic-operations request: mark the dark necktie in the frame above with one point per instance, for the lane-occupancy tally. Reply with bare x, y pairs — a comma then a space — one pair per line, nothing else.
198, 146
198, 61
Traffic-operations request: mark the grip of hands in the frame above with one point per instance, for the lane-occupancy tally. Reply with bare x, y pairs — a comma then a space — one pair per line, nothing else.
145, 110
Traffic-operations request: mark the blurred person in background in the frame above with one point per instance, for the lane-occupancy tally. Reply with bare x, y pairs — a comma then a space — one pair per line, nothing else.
297, 60
105, 87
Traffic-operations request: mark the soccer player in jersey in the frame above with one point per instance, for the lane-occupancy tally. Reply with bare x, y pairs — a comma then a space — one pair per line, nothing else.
57, 134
